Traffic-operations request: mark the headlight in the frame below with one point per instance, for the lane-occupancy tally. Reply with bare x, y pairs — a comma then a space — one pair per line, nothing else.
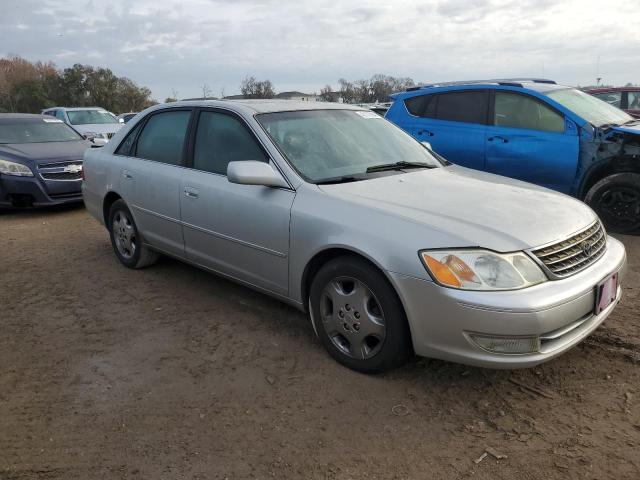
15, 169
482, 269
92, 135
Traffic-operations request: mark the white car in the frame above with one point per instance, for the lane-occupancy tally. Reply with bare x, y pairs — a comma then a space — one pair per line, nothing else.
93, 123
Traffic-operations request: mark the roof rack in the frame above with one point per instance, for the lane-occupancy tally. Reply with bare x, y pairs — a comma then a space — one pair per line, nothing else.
514, 82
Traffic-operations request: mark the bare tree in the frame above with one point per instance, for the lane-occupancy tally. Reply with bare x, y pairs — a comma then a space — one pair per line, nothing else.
206, 91
327, 94
252, 88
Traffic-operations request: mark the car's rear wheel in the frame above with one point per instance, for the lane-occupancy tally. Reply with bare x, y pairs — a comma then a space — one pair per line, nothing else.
125, 239
616, 200
358, 316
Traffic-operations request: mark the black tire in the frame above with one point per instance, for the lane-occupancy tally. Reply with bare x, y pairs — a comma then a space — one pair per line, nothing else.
139, 255
378, 355
616, 200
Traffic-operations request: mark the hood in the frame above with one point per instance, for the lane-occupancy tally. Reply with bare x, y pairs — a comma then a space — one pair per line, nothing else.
98, 127
44, 152
632, 129
474, 209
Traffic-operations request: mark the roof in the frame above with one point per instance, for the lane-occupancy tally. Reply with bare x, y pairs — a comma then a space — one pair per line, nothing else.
72, 109
538, 84
23, 117
271, 105
611, 89
294, 94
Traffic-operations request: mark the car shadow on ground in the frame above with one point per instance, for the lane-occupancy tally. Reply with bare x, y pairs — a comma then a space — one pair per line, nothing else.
30, 212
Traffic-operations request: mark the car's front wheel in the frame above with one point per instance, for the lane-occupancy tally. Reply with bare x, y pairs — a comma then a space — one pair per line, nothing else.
126, 240
616, 200
358, 316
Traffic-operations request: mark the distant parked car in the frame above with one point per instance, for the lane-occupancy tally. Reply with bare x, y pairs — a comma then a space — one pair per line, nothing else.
537, 131
379, 108
40, 161
125, 117
333, 209
625, 98
95, 124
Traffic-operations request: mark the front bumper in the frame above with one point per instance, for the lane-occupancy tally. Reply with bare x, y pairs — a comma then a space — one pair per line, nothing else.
30, 191
561, 312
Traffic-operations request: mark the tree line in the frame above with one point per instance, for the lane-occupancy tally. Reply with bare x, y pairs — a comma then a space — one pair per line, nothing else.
29, 87
375, 89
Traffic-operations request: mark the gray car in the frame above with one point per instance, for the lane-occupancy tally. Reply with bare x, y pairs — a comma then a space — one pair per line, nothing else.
333, 209
93, 123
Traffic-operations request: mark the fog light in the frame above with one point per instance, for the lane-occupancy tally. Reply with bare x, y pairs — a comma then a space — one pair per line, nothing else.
511, 345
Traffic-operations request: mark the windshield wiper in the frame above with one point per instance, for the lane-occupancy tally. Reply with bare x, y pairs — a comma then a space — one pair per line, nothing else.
398, 166
343, 179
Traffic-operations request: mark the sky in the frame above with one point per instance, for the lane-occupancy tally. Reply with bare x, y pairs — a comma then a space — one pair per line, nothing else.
179, 46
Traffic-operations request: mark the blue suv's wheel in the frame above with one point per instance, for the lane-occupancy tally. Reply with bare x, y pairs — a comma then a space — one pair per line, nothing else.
616, 200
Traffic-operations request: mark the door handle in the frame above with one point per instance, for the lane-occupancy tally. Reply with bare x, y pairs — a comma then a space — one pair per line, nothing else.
191, 192
127, 174
498, 137
427, 132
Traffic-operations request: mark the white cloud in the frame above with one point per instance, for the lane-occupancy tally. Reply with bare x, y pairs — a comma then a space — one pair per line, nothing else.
305, 44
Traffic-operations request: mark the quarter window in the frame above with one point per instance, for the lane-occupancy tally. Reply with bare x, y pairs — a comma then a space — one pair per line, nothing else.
162, 138
467, 106
418, 105
222, 138
126, 147
521, 111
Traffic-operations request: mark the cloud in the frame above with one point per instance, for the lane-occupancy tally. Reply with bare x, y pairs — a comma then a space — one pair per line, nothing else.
306, 44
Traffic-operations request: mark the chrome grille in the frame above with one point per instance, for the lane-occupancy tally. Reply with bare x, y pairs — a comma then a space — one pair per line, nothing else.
69, 170
44, 166
575, 253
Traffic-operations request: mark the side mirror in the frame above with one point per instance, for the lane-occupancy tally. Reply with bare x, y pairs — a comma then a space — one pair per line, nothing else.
253, 172
427, 144
121, 120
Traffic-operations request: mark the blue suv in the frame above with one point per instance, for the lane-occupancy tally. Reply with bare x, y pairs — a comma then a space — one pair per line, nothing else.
537, 131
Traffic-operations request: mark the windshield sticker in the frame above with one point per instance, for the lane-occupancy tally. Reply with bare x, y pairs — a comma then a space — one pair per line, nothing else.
368, 114
51, 120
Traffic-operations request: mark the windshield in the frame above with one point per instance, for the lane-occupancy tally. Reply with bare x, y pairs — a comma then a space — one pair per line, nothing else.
593, 110
85, 117
325, 144
37, 132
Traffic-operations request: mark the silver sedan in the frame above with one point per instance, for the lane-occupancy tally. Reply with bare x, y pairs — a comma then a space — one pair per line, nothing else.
391, 249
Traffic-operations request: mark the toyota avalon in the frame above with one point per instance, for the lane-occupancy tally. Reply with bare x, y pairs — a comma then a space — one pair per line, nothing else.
333, 209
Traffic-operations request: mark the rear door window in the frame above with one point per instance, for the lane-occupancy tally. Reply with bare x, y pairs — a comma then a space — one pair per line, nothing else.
421, 106
633, 100
222, 138
515, 110
612, 98
163, 136
464, 106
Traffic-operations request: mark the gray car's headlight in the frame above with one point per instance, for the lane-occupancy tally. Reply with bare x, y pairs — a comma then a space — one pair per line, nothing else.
92, 135
15, 169
482, 269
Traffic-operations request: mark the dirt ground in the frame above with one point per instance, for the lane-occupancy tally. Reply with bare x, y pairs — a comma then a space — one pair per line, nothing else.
173, 373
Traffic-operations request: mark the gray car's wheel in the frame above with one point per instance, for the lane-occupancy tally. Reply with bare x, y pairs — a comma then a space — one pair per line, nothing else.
358, 316
125, 238
616, 200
